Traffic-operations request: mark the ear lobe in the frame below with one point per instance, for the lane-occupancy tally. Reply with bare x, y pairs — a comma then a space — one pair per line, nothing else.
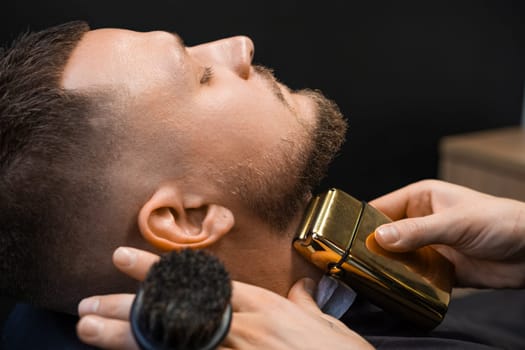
171, 220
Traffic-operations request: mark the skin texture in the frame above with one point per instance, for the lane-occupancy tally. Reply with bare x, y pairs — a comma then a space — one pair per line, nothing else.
176, 109
205, 140
261, 319
484, 236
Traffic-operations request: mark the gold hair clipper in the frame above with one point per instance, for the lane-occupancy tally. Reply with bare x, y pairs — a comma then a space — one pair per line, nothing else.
337, 236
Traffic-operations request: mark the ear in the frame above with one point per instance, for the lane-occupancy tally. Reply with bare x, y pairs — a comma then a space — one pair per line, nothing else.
173, 220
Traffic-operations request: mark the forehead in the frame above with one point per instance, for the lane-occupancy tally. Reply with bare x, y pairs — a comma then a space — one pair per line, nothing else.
123, 57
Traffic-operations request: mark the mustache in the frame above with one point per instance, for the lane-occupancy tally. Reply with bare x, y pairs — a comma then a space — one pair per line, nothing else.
266, 72
268, 75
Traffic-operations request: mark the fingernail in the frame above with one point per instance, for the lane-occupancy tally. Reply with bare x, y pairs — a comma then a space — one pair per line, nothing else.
88, 306
388, 234
309, 286
124, 257
90, 328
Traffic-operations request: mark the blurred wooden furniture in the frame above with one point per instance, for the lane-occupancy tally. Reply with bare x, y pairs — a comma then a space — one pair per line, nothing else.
491, 161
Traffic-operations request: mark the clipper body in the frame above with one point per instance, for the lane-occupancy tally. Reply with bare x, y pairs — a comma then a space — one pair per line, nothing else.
337, 236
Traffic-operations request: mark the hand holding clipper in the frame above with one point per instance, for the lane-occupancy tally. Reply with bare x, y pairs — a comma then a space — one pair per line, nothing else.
337, 236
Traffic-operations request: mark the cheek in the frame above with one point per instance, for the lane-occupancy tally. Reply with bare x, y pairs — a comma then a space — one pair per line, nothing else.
245, 117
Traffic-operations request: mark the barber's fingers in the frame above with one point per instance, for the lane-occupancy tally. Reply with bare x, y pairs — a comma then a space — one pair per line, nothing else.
248, 298
270, 321
106, 333
115, 306
412, 200
134, 262
257, 315
394, 204
301, 294
252, 299
445, 228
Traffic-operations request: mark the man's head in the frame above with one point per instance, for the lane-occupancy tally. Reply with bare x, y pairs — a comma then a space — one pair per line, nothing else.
195, 142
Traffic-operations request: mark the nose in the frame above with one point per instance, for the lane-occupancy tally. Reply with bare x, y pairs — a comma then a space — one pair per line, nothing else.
235, 53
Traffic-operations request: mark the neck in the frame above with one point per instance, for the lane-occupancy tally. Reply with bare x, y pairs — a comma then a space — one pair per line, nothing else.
260, 256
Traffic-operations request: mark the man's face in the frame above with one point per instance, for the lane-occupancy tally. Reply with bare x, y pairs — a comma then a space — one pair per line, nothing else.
206, 109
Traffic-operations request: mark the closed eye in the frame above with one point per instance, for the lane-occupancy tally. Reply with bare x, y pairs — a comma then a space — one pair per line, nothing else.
207, 75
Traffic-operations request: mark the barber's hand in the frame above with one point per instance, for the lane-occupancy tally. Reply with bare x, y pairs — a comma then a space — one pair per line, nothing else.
483, 235
261, 319
265, 320
104, 320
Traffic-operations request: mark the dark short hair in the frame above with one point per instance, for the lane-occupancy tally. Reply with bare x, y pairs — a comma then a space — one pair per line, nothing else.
47, 153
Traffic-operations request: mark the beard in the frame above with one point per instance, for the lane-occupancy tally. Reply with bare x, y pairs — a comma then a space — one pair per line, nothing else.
279, 187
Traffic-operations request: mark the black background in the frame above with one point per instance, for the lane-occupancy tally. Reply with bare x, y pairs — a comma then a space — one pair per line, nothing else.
405, 73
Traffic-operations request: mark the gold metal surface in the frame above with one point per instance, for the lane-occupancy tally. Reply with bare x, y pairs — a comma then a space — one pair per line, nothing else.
337, 236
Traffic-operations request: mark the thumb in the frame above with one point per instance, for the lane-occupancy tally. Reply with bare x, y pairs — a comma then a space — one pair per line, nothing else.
301, 294
410, 234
